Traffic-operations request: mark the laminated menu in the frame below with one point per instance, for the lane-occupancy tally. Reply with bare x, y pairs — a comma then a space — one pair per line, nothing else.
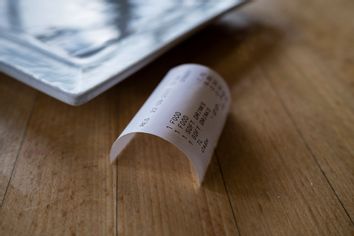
73, 50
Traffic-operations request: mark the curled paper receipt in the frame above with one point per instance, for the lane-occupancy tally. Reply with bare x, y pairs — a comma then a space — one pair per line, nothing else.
188, 109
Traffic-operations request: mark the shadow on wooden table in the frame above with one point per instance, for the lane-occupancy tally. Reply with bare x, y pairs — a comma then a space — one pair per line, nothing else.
241, 51
237, 156
231, 47
234, 48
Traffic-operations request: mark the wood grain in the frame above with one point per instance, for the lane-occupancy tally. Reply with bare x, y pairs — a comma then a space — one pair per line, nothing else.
15, 111
63, 183
312, 79
284, 164
323, 114
285, 192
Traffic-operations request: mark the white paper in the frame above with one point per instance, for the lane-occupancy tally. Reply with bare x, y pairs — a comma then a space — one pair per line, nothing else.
188, 109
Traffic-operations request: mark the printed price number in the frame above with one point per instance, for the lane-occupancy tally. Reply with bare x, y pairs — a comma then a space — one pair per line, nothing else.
183, 122
175, 117
204, 145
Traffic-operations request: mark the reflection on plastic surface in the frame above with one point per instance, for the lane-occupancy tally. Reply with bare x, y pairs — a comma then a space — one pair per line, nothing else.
73, 46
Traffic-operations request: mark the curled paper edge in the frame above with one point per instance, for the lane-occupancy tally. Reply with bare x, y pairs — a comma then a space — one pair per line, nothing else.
199, 167
123, 141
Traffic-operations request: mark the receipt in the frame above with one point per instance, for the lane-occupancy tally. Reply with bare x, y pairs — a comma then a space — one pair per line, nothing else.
188, 109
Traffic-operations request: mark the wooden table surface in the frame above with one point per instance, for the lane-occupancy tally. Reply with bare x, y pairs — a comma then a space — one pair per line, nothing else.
284, 164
